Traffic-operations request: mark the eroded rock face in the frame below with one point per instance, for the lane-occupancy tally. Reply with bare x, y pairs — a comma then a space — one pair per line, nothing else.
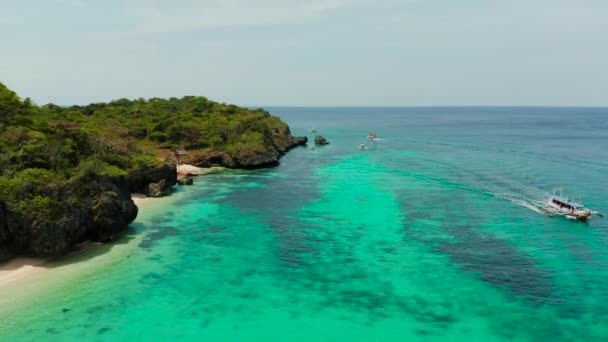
298, 141
92, 207
57, 237
251, 157
212, 158
257, 158
185, 181
140, 179
111, 215
283, 141
158, 189
5, 253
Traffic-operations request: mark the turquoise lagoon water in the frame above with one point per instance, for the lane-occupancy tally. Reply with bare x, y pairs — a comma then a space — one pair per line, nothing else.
428, 235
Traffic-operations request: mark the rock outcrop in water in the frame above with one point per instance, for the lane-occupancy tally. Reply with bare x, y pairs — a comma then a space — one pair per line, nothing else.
320, 140
185, 181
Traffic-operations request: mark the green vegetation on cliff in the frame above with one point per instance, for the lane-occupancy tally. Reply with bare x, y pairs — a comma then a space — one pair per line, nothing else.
243, 137
66, 173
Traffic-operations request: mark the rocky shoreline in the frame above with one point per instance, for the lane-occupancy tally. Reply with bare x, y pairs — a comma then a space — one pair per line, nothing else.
249, 159
67, 174
95, 208
104, 207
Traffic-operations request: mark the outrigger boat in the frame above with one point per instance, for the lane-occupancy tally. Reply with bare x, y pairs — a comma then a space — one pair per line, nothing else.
314, 133
571, 208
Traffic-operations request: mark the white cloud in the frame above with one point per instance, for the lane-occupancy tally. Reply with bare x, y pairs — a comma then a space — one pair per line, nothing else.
191, 16
222, 14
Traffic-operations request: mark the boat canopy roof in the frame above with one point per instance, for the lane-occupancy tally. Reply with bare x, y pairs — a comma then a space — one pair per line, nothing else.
567, 201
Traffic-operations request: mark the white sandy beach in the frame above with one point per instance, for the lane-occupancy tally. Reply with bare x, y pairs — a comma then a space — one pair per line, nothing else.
23, 267
191, 170
20, 268
141, 199
188, 170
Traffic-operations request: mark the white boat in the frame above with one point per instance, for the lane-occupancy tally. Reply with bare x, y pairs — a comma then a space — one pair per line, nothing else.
314, 130
558, 204
372, 136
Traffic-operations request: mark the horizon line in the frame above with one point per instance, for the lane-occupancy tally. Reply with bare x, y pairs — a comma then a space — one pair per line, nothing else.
430, 106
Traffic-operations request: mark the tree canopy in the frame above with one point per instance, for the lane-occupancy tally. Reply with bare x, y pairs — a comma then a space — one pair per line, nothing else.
123, 135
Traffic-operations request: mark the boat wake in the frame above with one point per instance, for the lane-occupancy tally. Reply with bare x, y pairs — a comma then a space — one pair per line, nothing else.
540, 205
535, 205
530, 197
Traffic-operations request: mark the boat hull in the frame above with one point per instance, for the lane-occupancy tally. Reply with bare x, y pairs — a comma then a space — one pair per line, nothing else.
581, 215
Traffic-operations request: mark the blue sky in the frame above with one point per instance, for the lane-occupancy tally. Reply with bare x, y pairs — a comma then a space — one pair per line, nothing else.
312, 53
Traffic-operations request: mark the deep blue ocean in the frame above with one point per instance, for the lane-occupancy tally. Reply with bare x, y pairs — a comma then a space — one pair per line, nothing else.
429, 234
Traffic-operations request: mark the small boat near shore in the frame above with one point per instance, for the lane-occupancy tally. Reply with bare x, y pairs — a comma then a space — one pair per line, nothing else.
571, 208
